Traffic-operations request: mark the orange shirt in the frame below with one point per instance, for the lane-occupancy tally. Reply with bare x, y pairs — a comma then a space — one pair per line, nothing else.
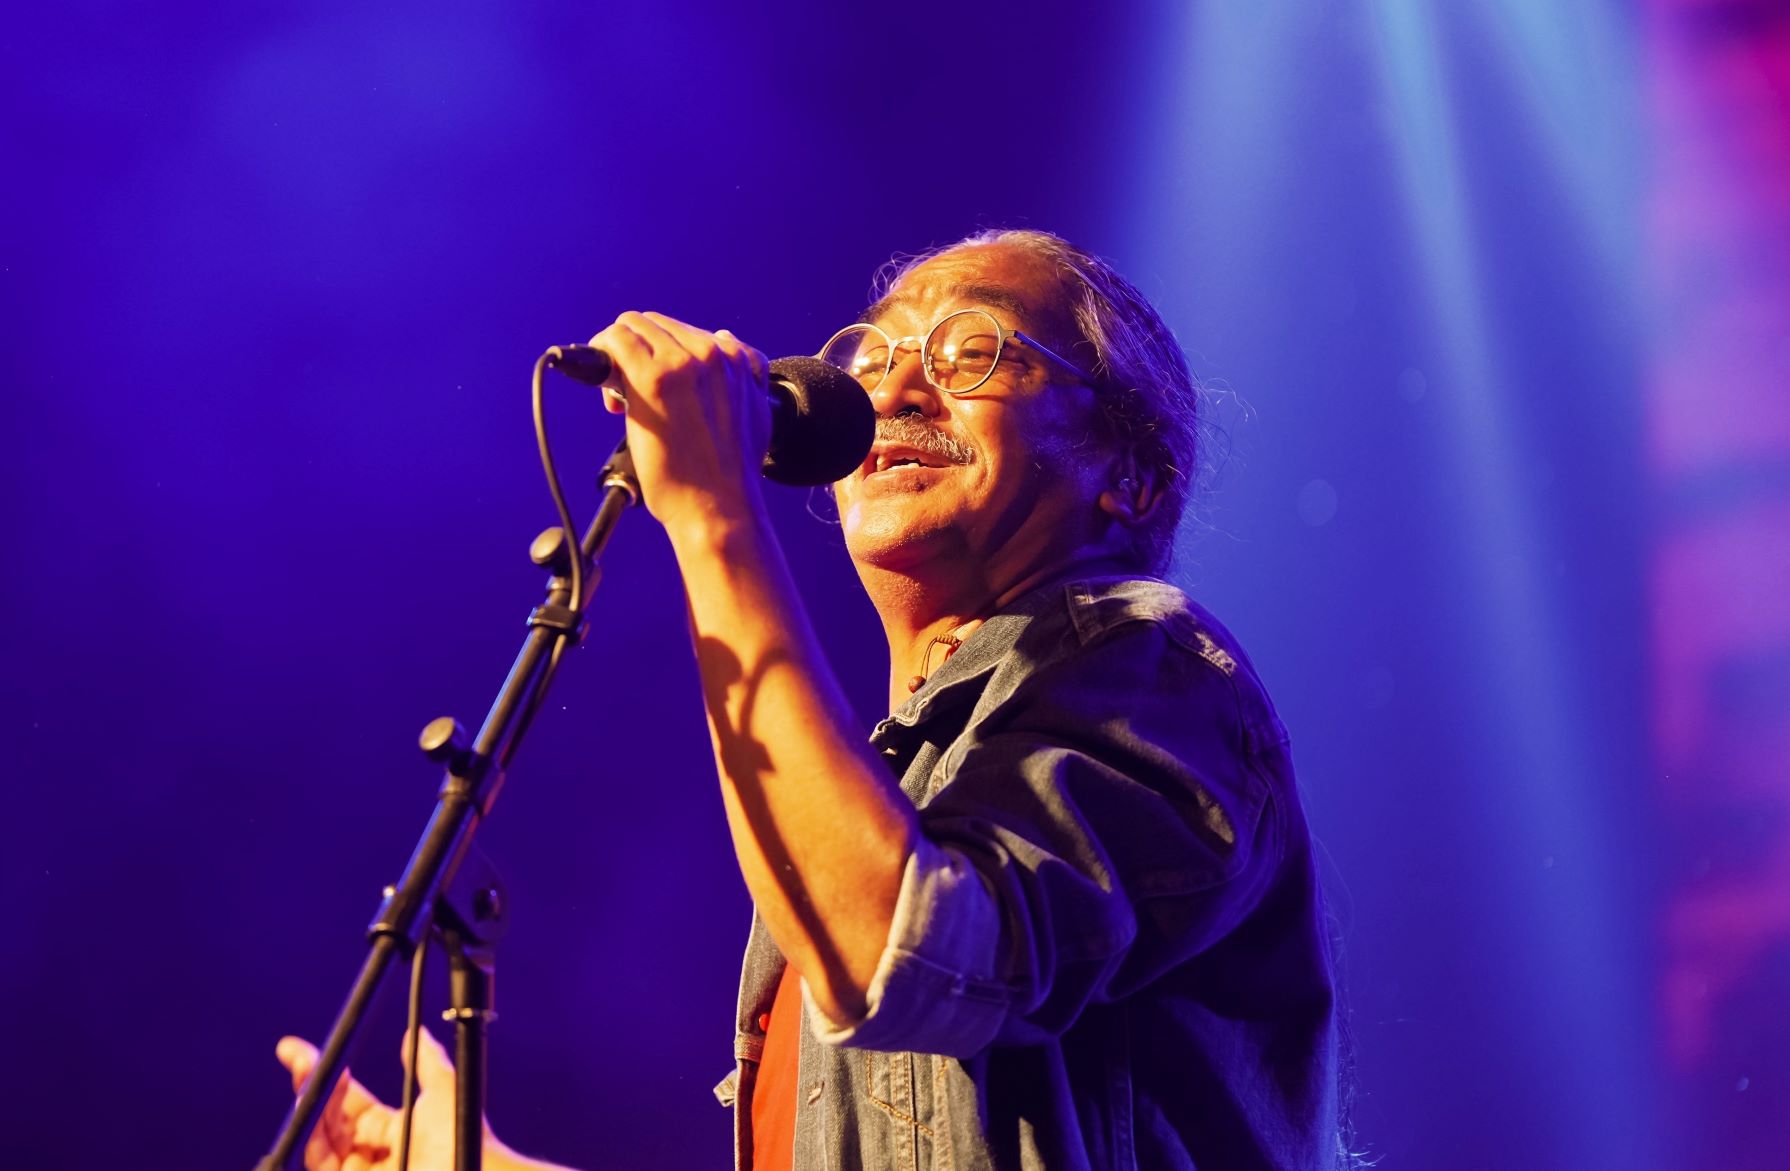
774, 1093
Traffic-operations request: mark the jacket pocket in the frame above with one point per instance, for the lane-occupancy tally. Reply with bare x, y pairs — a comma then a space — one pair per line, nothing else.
889, 1088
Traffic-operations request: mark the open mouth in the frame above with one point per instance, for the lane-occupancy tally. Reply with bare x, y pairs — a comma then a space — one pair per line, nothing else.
885, 463
893, 457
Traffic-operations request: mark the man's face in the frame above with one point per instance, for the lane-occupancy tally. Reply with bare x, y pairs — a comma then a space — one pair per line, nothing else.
1008, 473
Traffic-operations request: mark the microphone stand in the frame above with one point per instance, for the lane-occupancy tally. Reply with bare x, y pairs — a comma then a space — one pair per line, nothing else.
466, 910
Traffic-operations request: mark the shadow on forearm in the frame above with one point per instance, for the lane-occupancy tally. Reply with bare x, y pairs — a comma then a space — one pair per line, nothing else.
746, 762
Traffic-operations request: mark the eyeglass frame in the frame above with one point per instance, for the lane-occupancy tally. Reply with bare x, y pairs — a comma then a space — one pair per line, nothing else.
1002, 336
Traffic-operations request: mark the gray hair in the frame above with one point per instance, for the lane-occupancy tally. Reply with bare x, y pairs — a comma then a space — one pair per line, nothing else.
1149, 399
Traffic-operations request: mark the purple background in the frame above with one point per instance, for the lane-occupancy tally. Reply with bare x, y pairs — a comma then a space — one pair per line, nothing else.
273, 277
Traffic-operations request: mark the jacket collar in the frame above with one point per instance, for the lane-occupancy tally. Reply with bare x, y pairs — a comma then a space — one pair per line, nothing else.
960, 679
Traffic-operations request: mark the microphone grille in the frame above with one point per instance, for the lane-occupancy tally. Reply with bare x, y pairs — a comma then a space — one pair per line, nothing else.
824, 425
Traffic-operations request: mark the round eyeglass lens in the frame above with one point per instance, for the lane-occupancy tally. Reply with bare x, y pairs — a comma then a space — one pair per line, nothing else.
862, 351
961, 350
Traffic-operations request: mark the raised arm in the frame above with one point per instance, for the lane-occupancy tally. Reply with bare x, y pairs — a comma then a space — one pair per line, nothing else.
820, 828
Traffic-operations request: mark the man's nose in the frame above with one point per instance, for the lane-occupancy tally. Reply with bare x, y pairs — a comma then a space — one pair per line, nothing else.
905, 388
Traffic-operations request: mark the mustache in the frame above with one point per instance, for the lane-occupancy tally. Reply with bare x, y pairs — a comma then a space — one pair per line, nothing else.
911, 430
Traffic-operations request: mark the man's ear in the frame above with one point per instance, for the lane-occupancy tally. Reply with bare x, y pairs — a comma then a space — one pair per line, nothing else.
1134, 493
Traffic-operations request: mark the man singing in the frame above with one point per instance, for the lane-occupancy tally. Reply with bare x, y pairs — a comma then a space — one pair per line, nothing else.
1060, 911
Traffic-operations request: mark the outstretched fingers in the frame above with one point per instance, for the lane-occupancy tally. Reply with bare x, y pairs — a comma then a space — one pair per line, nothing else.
299, 1057
434, 1068
349, 1113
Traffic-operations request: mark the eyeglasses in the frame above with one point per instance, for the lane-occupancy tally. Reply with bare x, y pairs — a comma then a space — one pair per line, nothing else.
957, 355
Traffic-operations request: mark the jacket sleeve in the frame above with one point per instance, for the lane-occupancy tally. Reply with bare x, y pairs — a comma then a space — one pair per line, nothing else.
1111, 820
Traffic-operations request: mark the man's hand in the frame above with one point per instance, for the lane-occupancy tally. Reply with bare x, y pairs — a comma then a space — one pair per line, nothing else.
821, 830
698, 416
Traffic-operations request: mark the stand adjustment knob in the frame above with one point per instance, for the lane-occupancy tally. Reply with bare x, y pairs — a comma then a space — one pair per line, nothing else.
552, 552
443, 741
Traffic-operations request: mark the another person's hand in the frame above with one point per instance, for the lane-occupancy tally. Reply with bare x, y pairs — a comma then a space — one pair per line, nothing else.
358, 1132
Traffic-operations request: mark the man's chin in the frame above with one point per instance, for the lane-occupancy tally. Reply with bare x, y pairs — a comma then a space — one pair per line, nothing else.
894, 539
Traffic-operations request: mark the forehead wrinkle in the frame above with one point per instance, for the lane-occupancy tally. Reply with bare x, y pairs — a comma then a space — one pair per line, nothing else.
993, 296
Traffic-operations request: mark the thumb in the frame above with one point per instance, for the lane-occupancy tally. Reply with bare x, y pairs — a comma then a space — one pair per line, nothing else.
433, 1066
298, 1056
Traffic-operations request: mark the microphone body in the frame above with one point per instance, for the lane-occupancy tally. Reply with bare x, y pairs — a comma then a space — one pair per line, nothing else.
822, 423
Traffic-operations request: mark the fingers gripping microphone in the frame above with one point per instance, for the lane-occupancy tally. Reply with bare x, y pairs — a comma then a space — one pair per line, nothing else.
822, 423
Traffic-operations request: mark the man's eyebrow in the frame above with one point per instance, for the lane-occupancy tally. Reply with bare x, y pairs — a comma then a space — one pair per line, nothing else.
888, 302
996, 296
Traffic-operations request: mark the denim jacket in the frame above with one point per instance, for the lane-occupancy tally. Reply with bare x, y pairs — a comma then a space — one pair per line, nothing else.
1108, 950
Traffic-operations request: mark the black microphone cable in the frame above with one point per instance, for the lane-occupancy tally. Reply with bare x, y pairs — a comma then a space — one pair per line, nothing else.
414, 1022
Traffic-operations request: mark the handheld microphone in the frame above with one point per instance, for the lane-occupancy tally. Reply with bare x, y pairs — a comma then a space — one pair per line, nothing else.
822, 423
